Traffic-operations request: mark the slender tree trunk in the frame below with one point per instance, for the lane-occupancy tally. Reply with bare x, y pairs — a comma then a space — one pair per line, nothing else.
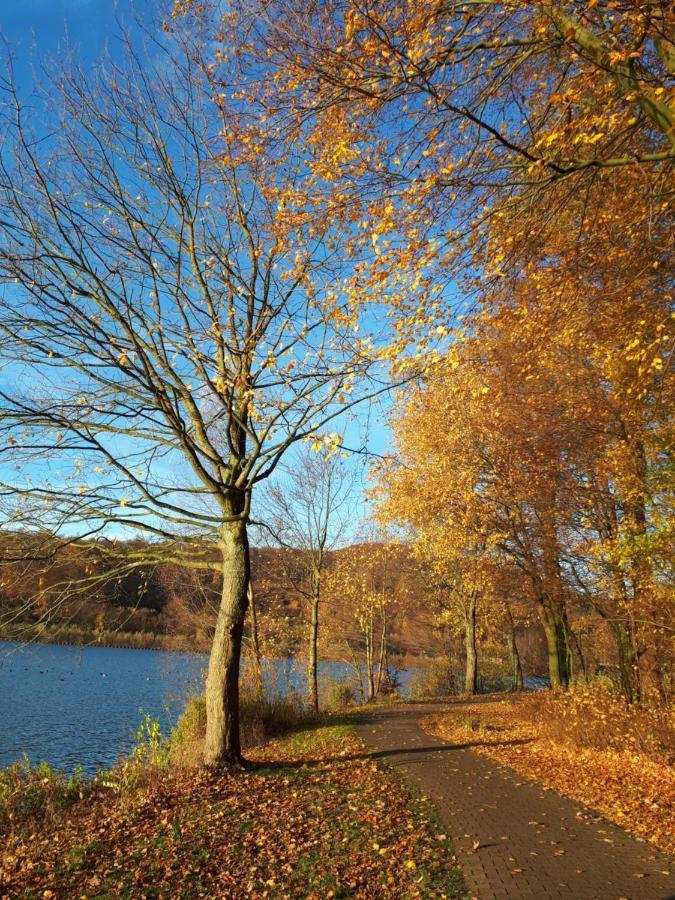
383, 652
222, 745
255, 640
359, 673
573, 638
312, 673
567, 638
369, 659
516, 666
552, 603
642, 577
471, 676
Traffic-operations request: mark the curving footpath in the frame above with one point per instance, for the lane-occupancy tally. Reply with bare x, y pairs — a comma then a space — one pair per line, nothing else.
512, 837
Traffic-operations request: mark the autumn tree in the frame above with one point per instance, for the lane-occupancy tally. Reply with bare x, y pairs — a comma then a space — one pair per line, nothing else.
523, 150
437, 118
171, 321
307, 512
554, 447
368, 586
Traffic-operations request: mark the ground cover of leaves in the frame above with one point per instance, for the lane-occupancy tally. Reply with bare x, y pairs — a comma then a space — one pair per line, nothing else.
315, 818
551, 741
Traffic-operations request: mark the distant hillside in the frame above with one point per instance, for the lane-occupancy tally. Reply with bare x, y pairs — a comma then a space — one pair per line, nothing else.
79, 597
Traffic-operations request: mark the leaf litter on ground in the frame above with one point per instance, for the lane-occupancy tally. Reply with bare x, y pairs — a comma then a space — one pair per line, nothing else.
315, 817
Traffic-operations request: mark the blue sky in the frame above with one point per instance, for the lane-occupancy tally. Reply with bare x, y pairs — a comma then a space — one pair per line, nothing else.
37, 27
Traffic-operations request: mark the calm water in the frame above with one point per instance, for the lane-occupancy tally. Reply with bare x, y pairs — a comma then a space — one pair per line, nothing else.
81, 706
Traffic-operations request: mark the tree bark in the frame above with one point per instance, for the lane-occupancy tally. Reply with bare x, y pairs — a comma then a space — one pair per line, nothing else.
370, 662
222, 745
516, 665
471, 676
629, 672
383, 652
556, 645
359, 673
312, 673
255, 640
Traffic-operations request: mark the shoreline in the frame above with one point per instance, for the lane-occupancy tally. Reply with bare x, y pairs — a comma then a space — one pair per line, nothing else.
122, 640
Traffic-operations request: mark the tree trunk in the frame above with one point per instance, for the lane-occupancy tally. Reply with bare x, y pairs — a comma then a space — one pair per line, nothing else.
383, 651
370, 662
516, 666
629, 672
222, 745
556, 645
471, 677
359, 673
312, 674
642, 577
255, 640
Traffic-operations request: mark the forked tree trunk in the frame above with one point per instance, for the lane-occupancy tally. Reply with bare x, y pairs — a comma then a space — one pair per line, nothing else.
312, 672
222, 745
471, 677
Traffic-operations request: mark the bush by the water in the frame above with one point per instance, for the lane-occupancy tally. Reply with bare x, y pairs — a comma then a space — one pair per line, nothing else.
35, 793
262, 715
436, 677
444, 677
339, 695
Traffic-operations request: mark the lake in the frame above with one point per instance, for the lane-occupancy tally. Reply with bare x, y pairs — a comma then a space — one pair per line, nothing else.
81, 706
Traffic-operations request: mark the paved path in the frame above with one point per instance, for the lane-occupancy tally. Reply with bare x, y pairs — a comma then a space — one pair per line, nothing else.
532, 843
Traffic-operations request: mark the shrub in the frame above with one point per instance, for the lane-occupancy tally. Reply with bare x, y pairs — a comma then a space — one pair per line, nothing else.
37, 793
596, 715
261, 717
339, 695
436, 677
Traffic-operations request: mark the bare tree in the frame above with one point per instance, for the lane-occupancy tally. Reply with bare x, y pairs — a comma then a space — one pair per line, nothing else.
169, 329
308, 512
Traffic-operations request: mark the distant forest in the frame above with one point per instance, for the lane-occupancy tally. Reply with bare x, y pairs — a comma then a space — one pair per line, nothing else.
84, 596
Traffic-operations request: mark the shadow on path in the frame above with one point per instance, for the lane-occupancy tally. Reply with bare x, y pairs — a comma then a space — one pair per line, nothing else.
513, 837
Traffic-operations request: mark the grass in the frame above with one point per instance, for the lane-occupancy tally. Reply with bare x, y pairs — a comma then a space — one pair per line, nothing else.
587, 744
315, 818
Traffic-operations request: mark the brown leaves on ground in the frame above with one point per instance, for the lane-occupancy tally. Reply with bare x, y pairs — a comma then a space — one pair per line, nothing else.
315, 818
574, 745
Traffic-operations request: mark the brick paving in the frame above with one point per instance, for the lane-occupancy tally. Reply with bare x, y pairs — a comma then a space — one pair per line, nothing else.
532, 842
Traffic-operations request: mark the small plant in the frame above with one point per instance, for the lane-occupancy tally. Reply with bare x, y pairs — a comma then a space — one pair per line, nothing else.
37, 792
150, 754
151, 747
340, 695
